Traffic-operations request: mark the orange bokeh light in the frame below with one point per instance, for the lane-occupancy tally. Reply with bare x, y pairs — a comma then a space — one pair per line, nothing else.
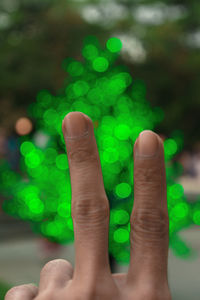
23, 126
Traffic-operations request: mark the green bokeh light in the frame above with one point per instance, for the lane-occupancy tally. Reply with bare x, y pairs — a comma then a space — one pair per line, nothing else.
26, 148
176, 191
121, 216
100, 64
75, 68
123, 190
33, 159
196, 217
110, 155
114, 44
180, 211
64, 209
170, 147
36, 206
122, 131
80, 88
62, 162
90, 52
121, 235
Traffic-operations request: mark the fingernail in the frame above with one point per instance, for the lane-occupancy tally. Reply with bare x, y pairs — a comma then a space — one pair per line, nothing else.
75, 125
148, 144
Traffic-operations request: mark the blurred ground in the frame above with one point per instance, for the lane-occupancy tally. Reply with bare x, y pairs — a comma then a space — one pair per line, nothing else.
21, 264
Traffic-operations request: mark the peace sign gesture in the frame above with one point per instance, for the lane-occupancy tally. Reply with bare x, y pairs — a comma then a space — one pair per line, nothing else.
91, 278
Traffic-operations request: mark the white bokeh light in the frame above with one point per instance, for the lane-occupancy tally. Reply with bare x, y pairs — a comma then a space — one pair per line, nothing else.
193, 39
132, 49
41, 139
104, 14
5, 20
158, 13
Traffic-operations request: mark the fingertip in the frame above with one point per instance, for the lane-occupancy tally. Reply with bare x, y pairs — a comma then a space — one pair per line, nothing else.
147, 144
148, 134
26, 291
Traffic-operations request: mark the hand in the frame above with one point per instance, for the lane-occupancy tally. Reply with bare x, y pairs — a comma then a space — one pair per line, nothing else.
91, 278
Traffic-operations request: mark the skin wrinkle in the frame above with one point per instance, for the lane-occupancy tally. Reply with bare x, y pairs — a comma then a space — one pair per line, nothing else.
148, 222
152, 174
86, 211
81, 157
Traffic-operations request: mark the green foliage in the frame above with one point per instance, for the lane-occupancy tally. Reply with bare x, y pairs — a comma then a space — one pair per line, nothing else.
103, 89
3, 290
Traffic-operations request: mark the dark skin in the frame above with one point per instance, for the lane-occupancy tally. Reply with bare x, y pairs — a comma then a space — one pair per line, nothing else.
91, 278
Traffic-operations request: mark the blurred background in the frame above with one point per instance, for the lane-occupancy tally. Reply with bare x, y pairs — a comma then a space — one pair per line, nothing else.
161, 45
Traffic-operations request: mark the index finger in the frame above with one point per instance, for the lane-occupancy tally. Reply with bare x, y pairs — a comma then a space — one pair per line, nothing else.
90, 206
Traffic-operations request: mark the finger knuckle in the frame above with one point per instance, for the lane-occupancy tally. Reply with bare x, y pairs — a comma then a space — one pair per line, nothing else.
81, 155
87, 209
149, 225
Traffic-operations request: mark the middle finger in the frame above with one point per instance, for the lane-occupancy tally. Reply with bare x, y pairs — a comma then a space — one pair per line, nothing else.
149, 220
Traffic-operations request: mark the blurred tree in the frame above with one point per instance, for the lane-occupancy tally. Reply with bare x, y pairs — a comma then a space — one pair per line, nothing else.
117, 104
